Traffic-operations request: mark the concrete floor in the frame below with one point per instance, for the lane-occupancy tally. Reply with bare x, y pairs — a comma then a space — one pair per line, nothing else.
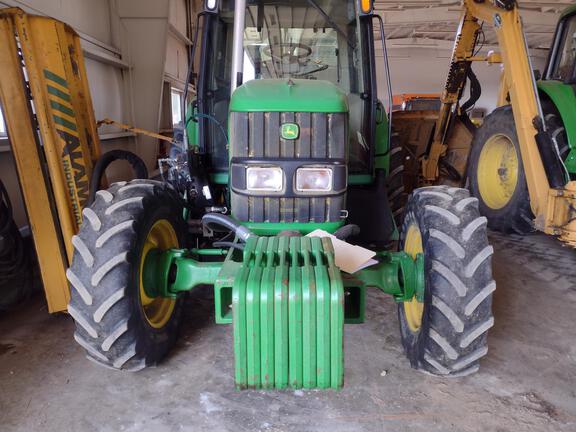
526, 383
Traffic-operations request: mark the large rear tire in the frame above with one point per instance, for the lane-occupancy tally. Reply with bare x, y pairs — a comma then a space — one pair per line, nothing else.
446, 334
395, 180
117, 324
497, 175
555, 127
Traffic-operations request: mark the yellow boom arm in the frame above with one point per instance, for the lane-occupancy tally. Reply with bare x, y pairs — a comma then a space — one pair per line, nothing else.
554, 208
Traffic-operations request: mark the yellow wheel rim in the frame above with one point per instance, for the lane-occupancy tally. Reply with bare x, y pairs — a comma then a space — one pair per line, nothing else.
157, 310
497, 171
413, 309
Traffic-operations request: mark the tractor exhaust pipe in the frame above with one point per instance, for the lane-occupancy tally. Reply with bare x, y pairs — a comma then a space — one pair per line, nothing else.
238, 45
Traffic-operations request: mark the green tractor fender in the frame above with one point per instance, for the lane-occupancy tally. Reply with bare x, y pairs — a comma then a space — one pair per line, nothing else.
564, 99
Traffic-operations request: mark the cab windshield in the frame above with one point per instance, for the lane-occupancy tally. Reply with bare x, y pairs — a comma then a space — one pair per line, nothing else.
303, 39
563, 68
297, 39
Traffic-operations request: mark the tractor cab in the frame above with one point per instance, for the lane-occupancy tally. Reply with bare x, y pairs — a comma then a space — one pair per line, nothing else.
294, 84
563, 53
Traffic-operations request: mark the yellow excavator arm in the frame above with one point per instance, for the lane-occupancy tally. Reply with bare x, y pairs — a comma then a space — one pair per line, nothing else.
553, 201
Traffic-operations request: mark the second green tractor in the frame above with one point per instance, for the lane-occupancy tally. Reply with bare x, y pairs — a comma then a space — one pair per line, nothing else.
496, 167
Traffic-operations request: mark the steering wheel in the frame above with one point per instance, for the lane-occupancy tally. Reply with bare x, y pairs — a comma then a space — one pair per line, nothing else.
288, 53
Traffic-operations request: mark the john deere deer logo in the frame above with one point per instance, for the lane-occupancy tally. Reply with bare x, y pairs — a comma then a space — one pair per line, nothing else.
290, 131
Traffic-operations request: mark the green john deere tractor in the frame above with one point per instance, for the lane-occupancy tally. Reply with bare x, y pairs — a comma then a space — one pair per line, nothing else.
496, 171
286, 136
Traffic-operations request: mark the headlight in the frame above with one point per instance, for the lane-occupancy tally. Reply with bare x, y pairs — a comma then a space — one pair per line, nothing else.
266, 179
314, 179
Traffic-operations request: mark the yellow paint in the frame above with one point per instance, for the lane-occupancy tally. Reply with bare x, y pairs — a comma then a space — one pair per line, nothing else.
498, 171
561, 214
552, 208
413, 309
366, 6
43, 222
463, 50
55, 196
158, 310
523, 97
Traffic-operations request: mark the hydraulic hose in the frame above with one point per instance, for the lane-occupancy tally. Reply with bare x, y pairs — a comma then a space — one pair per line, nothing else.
216, 219
346, 231
137, 164
475, 91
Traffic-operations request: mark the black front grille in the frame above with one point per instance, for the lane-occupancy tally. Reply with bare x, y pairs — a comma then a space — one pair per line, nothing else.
256, 135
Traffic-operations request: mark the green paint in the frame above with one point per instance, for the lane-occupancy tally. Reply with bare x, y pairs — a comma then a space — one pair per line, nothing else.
160, 278
385, 275
56, 78
360, 179
191, 273
309, 321
564, 98
167, 273
209, 252
280, 95
63, 122
220, 178
155, 272
287, 298
568, 11
290, 131
223, 288
267, 228
62, 108
191, 127
58, 93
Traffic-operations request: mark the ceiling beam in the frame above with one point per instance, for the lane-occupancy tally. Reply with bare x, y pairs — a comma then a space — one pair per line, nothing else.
442, 14
443, 45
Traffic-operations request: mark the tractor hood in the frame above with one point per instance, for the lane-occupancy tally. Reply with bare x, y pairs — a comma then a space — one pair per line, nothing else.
294, 95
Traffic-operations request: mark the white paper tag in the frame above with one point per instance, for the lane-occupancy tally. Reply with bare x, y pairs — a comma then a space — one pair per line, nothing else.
349, 258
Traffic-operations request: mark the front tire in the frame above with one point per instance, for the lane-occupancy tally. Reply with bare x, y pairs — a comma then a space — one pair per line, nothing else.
446, 334
117, 324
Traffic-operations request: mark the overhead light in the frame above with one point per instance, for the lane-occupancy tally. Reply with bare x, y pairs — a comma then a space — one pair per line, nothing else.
211, 5
366, 7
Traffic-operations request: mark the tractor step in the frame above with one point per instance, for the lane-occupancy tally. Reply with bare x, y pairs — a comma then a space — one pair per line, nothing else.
287, 299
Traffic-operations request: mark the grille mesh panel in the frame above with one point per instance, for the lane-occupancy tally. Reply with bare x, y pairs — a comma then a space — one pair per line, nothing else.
257, 135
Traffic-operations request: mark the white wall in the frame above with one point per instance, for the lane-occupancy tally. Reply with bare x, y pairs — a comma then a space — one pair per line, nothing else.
91, 17
132, 47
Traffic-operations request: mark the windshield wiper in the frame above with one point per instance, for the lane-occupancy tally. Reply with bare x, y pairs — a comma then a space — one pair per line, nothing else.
331, 22
313, 71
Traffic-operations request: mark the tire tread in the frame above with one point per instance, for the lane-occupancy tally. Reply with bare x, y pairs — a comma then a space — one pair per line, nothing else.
109, 325
459, 283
